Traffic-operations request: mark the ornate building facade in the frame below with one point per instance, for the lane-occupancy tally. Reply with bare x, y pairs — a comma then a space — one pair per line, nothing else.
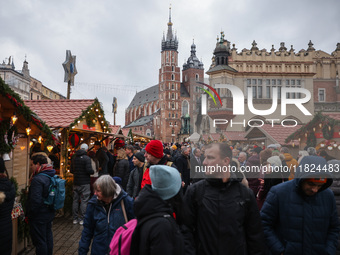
167, 111
263, 72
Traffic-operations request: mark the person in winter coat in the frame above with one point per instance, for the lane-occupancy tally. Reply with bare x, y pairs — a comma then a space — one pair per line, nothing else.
40, 216
221, 214
300, 216
272, 168
157, 231
81, 168
102, 158
122, 168
290, 161
104, 215
183, 166
135, 178
253, 176
154, 156
334, 165
7, 192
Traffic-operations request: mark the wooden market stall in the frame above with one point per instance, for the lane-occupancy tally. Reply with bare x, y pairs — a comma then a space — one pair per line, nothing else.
18, 127
73, 122
322, 132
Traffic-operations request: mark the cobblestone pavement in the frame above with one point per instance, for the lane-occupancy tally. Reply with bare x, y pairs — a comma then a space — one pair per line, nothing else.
66, 237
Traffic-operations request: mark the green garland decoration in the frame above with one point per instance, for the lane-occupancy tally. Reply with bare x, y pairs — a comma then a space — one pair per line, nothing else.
90, 115
7, 129
311, 139
23, 226
327, 131
318, 118
22, 109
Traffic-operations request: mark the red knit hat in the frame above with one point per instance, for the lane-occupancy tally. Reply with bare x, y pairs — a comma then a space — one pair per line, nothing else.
155, 148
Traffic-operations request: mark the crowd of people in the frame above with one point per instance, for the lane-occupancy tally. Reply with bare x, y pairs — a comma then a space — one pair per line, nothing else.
185, 202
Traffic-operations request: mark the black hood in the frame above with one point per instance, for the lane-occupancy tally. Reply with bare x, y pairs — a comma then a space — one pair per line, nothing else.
81, 152
149, 202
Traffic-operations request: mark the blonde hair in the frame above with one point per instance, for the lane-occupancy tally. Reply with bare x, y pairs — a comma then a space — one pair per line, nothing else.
121, 154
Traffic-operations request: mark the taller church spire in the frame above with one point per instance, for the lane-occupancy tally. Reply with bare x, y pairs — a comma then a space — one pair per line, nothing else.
171, 42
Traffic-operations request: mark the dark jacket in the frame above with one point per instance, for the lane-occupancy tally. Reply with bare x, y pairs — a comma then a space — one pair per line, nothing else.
111, 163
7, 187
81, 168
103, 160
224, 219
135, 180
158, 235
101, 226
335, 187
122, 170
295, 223
183, 166
38, 191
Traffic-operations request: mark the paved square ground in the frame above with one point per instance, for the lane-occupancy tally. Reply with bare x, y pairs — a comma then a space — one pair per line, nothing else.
66, 237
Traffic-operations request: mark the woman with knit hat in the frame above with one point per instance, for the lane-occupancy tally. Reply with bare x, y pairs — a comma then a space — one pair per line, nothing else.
157, 231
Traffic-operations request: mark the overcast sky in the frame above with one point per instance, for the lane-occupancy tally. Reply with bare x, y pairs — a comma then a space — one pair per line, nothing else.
118, 43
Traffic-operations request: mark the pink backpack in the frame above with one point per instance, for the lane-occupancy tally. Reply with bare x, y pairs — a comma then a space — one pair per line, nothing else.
121, 240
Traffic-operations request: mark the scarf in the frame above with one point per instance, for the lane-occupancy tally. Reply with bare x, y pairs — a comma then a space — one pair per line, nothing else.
42, 168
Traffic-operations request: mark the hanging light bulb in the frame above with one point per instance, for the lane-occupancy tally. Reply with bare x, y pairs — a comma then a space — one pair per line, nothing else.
305, 134
28, 130
330, 148
31, 143
320, 125
314, 129
329, 128
14, 118
40, 138
49, 148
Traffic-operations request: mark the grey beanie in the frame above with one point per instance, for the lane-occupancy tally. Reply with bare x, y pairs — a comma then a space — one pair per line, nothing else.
166, 181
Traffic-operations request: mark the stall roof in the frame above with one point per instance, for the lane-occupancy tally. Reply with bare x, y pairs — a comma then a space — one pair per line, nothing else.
58, 113
276, 133
235, 135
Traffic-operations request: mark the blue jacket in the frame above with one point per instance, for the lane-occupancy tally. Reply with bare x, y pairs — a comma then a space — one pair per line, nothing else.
100, 226
294, 223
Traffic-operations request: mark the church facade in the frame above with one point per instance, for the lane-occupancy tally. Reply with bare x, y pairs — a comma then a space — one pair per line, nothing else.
168, 111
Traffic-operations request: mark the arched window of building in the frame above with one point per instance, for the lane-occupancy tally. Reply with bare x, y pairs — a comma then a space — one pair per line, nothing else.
185, 108
197, 77
172, 77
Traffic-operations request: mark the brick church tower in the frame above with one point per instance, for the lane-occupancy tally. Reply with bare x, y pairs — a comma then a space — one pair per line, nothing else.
169, 88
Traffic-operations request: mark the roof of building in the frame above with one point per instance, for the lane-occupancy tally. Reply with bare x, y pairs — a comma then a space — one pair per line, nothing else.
184, 92
141, 121
276, 133
235, 135
193, 61
145, 96
215, 136
115, 129
59, 113
220, 68
335, 116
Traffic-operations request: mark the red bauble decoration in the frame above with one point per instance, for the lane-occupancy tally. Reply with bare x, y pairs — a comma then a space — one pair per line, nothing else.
73, 140
119, 143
